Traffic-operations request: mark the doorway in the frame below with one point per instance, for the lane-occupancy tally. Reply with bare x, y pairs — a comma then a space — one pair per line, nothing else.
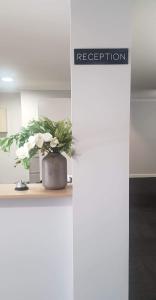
143, 154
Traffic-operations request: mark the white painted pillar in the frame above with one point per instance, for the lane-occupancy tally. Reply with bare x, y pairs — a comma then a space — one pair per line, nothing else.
29, 112
29, 107
100, 111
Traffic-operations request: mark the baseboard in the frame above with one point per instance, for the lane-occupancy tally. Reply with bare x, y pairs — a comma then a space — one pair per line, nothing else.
135, 175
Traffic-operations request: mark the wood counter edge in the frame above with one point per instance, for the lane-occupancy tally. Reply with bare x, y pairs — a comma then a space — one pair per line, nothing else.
36, 191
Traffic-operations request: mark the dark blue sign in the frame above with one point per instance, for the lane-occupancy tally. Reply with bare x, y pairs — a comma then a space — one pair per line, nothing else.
108, 56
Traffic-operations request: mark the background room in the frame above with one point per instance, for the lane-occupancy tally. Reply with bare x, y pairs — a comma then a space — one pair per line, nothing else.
143, 153
36, 250
143, 94
34, 74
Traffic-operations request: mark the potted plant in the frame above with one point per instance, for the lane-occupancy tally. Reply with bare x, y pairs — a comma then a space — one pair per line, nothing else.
51, 139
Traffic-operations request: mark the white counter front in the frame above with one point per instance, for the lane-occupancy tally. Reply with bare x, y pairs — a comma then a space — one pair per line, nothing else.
35, 244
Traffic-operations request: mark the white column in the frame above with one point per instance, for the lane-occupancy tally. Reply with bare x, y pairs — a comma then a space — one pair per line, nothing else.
29, 112
100, 111
29, 107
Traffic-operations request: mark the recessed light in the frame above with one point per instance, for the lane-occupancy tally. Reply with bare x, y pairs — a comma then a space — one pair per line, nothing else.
7, 79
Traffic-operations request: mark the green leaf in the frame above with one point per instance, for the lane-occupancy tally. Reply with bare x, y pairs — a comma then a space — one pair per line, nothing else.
62, 130
26, 163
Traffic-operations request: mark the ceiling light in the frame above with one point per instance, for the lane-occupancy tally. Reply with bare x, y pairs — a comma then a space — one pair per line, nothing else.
7, 79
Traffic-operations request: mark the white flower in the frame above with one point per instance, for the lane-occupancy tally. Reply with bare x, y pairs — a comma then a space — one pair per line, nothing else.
39, 140
29, 146
47, 137
54, 142
23, 152
36, 140
32, 141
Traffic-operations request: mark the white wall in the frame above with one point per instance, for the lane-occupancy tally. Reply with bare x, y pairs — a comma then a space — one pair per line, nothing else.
29, 108
8, 173
143, 137
55, 105
100, 111
36, 249
54, 108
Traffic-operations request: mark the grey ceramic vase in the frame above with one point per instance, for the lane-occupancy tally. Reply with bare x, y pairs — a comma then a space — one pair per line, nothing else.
54, 171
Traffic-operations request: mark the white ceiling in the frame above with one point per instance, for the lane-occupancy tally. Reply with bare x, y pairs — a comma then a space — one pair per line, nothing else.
34, 44
144, 45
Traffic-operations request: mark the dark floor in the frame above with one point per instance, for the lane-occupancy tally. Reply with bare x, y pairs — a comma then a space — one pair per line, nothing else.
142, 277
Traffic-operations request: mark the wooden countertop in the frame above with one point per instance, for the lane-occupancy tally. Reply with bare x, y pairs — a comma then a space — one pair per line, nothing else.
7, 191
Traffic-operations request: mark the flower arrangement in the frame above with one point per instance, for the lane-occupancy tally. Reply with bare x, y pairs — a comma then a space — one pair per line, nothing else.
41, 135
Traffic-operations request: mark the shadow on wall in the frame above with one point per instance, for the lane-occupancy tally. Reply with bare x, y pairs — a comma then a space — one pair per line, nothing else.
143, 137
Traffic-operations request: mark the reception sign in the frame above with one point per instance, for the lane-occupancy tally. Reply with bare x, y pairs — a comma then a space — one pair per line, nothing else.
108, 56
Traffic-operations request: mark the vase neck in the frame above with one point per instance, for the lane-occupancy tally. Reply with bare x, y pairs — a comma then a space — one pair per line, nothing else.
54, 153
55, 150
